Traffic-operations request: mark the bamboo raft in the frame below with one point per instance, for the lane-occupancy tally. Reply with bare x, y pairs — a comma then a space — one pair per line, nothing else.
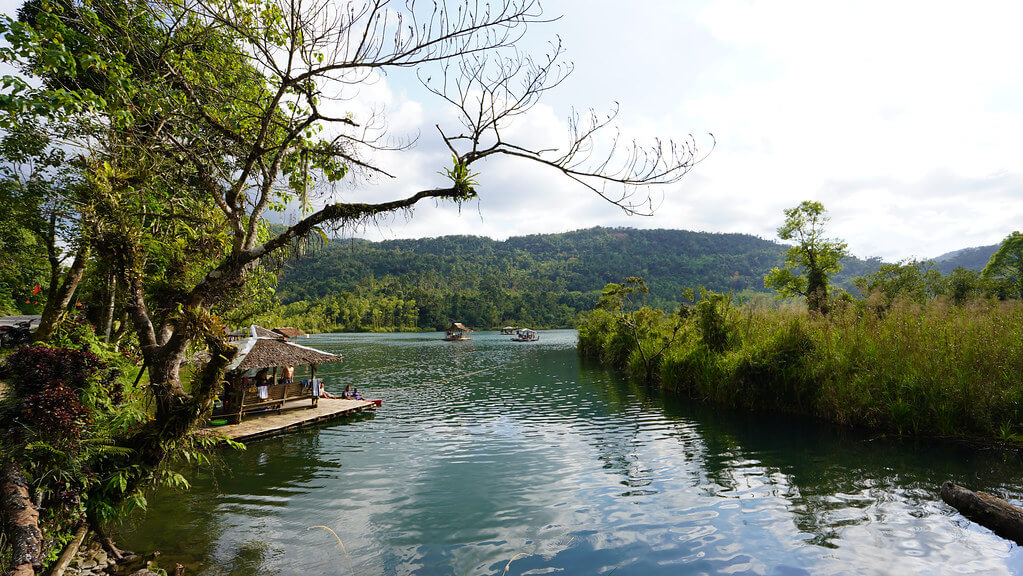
294, 415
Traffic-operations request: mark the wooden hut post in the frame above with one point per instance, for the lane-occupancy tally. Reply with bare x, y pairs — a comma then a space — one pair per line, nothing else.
316, 397
241, 399
273, 390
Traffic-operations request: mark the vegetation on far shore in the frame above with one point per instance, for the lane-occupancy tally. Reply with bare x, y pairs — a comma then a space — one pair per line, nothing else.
541, 280
920, 353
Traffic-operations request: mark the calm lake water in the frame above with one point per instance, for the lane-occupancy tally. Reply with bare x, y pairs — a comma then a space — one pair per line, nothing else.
491, 451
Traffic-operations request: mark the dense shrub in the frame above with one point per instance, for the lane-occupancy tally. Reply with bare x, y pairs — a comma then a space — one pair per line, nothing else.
713, 311
33, 368
935, 368
779, 373
55, 412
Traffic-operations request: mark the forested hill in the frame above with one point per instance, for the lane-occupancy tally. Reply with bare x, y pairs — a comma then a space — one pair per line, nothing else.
970, 258
542, 280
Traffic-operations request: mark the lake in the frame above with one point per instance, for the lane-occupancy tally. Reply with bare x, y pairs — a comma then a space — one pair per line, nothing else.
491, 455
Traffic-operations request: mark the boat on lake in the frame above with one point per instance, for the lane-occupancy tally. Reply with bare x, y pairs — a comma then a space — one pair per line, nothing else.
456, 332
508, 331
525, 335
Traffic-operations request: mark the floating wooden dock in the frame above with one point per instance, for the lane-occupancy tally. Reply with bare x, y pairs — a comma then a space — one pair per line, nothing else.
296, 414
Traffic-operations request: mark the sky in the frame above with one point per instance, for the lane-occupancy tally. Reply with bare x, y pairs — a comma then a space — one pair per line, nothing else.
905, 119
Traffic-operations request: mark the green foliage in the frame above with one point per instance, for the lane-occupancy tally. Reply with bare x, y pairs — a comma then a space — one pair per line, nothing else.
963, 284
463, 180
70, 416
539, 281
1006, 265
921, 282
932, 368
714, 312
777, 373
31, 215
910, 279
56, 416
812, 261
638, 335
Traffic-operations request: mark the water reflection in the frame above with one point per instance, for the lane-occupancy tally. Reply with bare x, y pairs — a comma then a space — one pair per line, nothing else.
487, 450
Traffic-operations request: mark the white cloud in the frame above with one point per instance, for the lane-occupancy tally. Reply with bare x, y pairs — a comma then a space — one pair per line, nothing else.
905, 119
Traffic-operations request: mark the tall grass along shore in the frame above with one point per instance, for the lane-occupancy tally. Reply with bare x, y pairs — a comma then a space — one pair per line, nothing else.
932, 368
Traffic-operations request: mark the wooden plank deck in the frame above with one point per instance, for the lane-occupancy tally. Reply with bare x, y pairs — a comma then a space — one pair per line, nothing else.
296, 414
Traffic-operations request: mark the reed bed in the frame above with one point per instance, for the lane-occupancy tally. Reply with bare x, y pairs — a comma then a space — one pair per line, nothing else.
909, 368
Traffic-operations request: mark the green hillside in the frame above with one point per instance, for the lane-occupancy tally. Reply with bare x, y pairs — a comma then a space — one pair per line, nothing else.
970, 258
542, 280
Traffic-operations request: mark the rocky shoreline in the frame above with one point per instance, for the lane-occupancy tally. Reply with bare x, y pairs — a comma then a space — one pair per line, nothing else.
93, 560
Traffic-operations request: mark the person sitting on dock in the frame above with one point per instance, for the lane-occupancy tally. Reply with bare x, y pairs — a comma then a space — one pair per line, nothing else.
347, 394
355, 395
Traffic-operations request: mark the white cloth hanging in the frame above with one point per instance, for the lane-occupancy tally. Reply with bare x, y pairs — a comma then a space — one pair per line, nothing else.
263, 392
316, 387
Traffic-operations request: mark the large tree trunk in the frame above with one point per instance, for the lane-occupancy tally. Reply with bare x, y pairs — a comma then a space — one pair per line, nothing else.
989, 511
22, 522
817, 291
58, 303
176, 414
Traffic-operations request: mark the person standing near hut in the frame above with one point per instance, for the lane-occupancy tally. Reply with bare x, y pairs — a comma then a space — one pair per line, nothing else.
288, 375
263, 384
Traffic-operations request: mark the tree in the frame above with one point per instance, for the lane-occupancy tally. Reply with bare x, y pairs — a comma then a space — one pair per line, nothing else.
646, 325
810, 263
917, 280
39, 222
1006, 265
194, 120
964, 284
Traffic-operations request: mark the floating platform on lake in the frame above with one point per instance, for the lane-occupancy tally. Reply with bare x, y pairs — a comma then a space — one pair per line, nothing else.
295, 415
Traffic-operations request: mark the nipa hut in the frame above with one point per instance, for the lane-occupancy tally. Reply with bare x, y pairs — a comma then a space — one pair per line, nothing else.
263, 375
457, 331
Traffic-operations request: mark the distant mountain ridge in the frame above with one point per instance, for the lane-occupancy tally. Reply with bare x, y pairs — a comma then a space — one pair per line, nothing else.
539, 280
581, 261
975, 258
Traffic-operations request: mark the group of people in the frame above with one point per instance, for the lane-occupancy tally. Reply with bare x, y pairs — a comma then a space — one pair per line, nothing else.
262, 380
348, 394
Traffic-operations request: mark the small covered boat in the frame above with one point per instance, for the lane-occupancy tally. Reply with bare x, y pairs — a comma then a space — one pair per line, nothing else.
456, 332
508, 331
525, 335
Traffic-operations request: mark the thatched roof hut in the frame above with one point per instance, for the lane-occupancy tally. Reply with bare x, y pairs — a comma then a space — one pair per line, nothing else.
261, 332
259, 351
457, 332
289, 332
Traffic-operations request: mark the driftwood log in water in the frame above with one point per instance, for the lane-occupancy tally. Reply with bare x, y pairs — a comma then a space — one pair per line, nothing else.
989, 511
